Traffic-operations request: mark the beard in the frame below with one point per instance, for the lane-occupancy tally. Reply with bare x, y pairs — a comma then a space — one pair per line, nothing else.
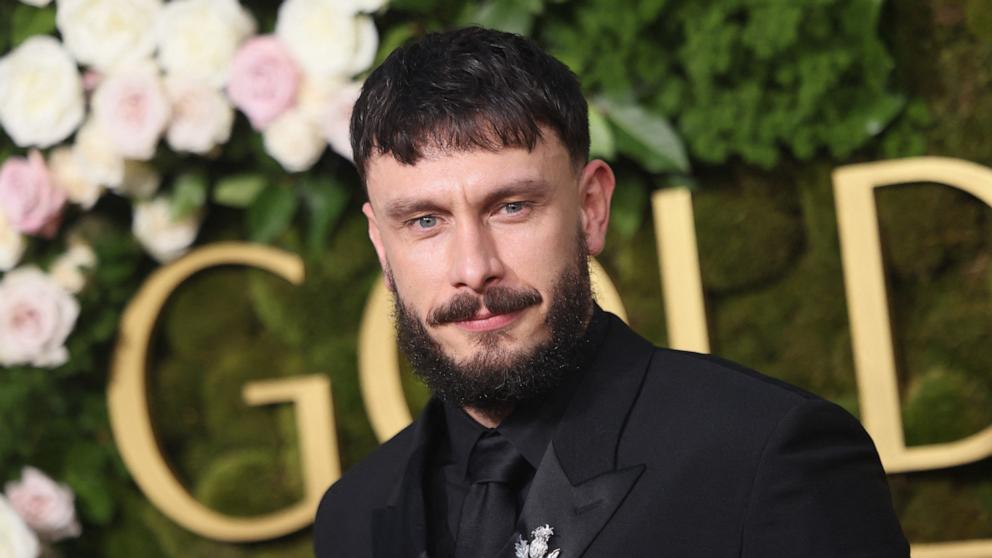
497, 377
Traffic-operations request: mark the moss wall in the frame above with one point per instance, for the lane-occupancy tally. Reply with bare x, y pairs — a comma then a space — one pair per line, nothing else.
772, 275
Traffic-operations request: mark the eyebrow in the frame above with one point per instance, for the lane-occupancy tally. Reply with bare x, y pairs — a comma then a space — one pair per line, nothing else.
527, 188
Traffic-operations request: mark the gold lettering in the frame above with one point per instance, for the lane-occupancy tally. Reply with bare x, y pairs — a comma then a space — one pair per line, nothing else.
867, 302
678, 260
128, 406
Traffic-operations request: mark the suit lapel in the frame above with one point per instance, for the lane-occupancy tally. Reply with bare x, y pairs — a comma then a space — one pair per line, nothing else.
577, 487
576, 512
399, 528
579, 484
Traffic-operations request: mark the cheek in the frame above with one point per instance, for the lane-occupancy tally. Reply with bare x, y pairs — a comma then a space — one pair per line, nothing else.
418, 275
538, 256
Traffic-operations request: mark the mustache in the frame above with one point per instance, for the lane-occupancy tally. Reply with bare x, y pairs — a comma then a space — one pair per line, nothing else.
498, 300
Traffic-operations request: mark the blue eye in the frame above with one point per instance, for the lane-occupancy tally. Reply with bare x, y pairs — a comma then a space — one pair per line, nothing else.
427, 221
514, 207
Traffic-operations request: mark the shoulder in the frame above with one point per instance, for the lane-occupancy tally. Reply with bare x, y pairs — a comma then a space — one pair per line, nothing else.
344, 515
710, 406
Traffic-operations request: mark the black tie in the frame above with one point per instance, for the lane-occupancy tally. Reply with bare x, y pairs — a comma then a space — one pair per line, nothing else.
489, 515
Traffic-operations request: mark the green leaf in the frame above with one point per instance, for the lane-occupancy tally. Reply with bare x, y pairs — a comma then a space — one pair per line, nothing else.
28, 21
627, 209
601, 142
271, 213
417, 6
393, 39
239, 190
512, 16
189, 194
647, 137
325, 199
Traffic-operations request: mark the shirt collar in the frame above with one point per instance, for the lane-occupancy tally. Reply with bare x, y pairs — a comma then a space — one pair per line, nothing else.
532, 424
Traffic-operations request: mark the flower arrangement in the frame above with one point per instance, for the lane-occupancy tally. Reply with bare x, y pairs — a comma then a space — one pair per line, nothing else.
137, 100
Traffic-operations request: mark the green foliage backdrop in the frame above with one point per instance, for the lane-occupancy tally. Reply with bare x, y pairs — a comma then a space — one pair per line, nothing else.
766, 97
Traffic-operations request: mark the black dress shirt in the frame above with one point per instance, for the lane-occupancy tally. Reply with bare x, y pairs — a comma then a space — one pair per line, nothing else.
529, 428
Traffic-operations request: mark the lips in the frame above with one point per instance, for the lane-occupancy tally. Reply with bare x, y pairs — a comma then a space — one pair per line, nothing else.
486, 321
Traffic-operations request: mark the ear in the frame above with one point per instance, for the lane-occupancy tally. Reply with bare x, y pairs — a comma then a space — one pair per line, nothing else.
376, 239
596, 185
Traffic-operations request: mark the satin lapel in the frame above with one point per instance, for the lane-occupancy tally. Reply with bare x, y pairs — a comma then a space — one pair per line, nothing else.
589, 432
580, 483
577, 513
399, 529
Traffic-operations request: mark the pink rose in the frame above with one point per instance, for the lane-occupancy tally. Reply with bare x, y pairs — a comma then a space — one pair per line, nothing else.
264, 80
36, 316
45, 506
28, 197
133, 108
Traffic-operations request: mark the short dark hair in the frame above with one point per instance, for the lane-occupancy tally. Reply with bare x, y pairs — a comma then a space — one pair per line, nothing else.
470, 88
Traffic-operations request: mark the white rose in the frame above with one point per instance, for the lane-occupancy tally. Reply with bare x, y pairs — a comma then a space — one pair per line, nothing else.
70, 268
70, 175
47, 507
105, 34
336, 120
293, 140
16, 540
327, 39
11, 245
37, 3
97, 156
198, 38
163, 237
201, 116
41, 93
36, 316
365, 6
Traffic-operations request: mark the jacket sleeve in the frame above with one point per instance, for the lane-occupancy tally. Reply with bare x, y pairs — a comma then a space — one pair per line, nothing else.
820, 491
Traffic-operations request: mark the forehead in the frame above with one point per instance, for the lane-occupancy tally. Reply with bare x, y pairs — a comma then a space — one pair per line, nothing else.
467, 173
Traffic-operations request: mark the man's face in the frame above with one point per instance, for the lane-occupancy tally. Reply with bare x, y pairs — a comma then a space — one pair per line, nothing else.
476, 243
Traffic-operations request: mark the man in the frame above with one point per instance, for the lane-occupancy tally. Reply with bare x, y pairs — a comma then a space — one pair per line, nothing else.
555, 430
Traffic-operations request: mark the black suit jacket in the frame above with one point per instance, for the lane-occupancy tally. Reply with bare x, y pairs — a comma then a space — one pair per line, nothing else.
659, 453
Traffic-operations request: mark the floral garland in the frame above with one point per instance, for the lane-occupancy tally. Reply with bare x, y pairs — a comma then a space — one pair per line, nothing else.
181, 83
124, 82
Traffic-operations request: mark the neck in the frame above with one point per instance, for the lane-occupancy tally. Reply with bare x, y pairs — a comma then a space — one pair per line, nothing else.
489, 417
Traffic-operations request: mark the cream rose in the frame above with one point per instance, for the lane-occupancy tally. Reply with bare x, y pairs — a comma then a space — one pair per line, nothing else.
198, 38
164, 238
41, 94
16, 539
366, 6
293, 140
11, 245
100, 162
327, 38
337, 119
36, 317
132, 108
106, 34
28, 198
47, 507
69, 174
72, 267
201, 116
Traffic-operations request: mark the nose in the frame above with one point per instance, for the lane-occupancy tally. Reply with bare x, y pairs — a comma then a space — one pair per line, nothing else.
475, 261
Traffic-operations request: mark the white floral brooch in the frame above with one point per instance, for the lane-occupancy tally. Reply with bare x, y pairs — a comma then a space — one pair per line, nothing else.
538, 545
